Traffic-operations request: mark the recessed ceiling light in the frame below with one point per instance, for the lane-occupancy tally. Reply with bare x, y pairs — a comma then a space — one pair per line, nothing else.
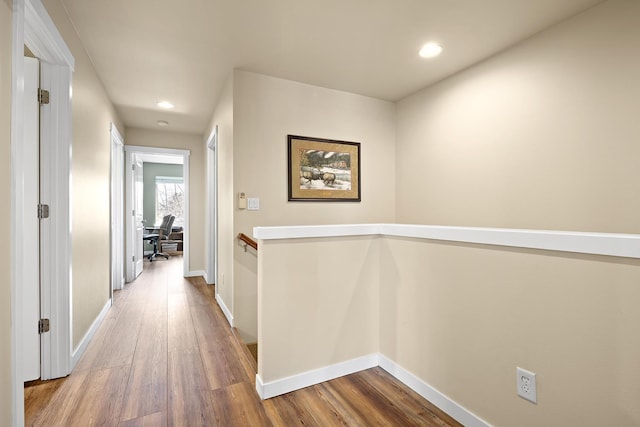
430, 50
163, 123
164, 104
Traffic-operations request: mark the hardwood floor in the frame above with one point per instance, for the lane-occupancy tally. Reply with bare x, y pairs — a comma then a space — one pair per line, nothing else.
165, 355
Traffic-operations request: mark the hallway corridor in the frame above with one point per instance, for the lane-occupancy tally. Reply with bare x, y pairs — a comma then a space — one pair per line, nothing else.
165, 355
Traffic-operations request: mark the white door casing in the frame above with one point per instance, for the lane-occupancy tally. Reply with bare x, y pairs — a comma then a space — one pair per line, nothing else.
212, 208
32, 26
134, 216
162, 153
117, 210
138, 197
31, 231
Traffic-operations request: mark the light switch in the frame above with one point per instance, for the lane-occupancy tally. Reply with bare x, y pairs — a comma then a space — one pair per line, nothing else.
253, 203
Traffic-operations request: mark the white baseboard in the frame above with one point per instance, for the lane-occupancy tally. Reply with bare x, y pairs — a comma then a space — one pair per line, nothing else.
196, 273
453, 409
86, 339
327, 373
225, 309
317, 376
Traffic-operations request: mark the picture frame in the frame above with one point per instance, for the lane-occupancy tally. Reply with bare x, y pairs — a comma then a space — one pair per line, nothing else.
323, 170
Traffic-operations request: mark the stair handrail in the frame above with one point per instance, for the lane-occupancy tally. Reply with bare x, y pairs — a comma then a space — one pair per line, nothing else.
248, 241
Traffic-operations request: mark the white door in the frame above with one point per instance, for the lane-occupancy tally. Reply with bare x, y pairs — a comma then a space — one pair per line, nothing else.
31, 233
135, 227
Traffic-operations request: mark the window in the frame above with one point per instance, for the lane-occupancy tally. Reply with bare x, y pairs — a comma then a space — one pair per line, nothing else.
170, 199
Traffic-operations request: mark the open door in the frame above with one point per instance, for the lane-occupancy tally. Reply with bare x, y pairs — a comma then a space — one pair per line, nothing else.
31, 234
134, 211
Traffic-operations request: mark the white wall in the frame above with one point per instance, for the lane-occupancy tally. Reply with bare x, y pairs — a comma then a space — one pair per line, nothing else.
265, 111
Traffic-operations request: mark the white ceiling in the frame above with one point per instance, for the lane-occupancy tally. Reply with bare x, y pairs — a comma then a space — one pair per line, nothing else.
183, 51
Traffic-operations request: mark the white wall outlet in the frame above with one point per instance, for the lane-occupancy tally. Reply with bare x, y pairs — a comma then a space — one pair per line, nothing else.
526, 381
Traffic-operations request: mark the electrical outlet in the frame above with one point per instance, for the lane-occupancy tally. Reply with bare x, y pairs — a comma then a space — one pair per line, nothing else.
526, 381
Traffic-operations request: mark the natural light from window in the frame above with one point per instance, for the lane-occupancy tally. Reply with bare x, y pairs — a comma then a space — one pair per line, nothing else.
170, 199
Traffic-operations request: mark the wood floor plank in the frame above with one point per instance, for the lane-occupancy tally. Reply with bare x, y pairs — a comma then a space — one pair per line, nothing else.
146, 391
100, 402
38, 396
158, 419
239, 405
309, 407
147, 387
182, 336
189, 400
63, 402
166, 355
406, 399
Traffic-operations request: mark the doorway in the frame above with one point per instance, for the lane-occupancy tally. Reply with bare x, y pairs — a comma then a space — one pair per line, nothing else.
143, 211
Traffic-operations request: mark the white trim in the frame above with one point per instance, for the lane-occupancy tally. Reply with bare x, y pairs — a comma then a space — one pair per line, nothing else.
316, 376
211, 211
311, 231
225, 310
445, 403
56, 242
186, 154
157, 150
42, 36
17, 211
328, 373
117, 210
86, 339
33, 26
610, 244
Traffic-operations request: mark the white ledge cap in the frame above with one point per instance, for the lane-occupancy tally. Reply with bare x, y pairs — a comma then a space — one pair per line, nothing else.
611, 244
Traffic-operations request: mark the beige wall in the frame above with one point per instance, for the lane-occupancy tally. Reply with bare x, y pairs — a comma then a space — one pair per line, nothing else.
5, 220
92, 115
193, 143
463, 317
324, 310
541, 136
265, 110
223, 118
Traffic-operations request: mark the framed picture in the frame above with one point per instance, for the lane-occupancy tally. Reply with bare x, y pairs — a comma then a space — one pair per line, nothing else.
323, 170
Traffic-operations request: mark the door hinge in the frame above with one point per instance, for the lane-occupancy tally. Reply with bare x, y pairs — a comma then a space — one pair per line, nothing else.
133, 167
43, 326
43, 96
43, 211
133, 258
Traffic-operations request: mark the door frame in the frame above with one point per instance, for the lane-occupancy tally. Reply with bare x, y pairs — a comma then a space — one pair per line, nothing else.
212, 208
117, 210
33, 27
136, 149
132, 221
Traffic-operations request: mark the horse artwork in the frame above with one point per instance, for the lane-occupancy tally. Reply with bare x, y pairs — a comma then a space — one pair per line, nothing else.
323, 170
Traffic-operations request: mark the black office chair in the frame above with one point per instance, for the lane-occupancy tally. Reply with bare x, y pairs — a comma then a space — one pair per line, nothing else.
156, 234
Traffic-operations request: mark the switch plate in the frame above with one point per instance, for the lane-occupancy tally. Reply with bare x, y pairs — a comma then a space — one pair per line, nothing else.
253, 203
526, 381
